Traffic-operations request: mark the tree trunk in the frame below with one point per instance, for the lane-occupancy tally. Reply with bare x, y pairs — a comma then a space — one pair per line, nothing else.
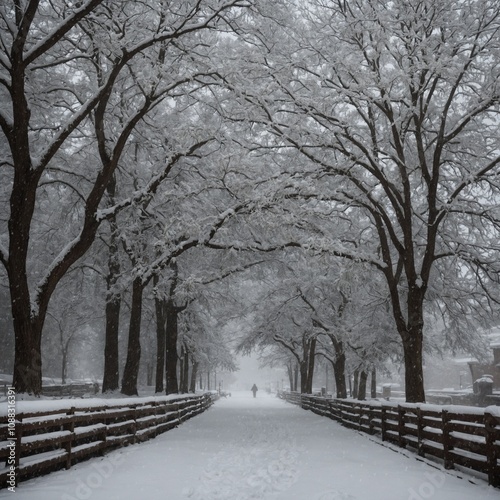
27, 377
304, 365
295, 377
111, 376
373, 391
303, 377
171, 349
363, 377
194, 373
414, 374
310, 368
339, 373
160, 307
64, 366
27, 356
355, 384
185, 371
289, 371
181, 370
131, 371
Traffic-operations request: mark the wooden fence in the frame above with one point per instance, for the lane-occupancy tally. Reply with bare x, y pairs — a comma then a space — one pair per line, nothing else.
467, 437
49, 440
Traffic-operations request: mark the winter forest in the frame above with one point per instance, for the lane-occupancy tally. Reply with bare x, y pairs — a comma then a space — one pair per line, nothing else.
183, 181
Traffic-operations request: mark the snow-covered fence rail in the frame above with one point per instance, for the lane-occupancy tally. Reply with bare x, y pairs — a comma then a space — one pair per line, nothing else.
40, 441
460, 435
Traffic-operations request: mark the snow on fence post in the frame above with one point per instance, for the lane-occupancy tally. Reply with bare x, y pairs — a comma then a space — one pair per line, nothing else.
447, 445
492, 426
401, 426
371, 419
359, 410
420, 432
19, 436
331, 411
341, 412
104, 435
134, 411
383, 422
69, 426
156, 407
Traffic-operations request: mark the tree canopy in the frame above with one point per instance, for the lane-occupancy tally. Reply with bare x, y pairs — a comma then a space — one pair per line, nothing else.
341, 156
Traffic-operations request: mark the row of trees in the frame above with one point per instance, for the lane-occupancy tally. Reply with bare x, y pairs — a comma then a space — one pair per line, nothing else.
344, 153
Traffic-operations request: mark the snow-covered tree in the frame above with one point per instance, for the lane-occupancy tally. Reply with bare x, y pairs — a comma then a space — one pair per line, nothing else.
51, 87
393, 108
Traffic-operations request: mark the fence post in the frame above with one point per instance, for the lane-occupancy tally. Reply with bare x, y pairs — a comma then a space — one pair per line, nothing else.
490, 425
71, 428
447, 446
19, 436
420, 432
383, 422
371, 418
134, 428
104, 440
401, 426
155, 405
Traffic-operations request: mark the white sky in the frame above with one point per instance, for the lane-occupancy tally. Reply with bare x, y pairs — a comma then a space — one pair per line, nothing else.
244, 448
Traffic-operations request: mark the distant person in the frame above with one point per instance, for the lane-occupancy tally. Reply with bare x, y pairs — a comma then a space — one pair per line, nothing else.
254, 390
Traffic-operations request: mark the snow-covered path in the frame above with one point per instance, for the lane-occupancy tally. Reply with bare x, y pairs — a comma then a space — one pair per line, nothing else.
245, 448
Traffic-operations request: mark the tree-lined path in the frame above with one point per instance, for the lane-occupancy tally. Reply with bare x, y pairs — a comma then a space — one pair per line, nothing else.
245, 448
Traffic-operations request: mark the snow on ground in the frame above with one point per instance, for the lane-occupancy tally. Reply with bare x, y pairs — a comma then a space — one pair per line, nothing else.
244, 448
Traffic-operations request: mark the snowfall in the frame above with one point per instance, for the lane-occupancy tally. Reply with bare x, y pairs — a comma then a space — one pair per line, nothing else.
263, 448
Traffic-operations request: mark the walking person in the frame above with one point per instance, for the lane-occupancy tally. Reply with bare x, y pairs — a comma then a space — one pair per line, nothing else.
254, 390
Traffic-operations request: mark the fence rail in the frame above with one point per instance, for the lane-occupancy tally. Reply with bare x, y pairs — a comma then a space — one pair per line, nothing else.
49, 440
467, 437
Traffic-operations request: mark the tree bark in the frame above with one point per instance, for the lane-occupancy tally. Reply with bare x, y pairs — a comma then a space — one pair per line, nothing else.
310, 367
339, 373
289, 371
303, 376
363, 377
355, 384
160, 310
181, 370
373, 391
131, 371
414, 374
185, 372
171, 357
111, 376
27, 358
64, 367
194, 374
